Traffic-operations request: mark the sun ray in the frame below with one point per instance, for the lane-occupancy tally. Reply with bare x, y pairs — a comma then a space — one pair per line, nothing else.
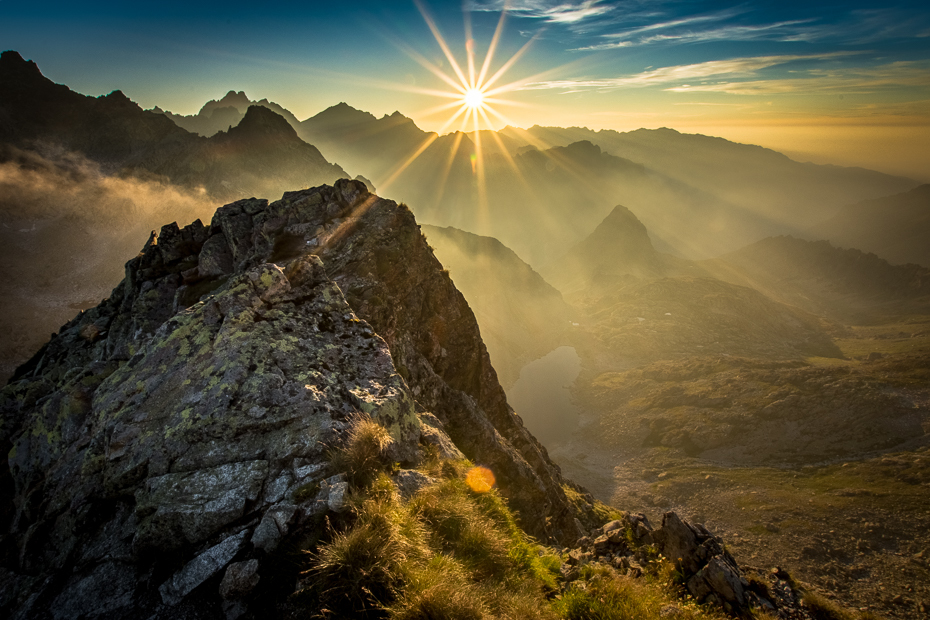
510, 62
444, 174
469, 49
425, 145
441, 41
429, 66
492, 48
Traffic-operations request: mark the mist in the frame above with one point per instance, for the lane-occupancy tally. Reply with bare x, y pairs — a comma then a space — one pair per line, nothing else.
67, 230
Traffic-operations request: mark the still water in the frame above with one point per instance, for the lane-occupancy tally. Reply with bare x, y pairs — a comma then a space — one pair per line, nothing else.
542, 398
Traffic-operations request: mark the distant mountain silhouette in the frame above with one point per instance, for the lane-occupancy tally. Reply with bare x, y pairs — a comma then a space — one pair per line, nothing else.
110, 129
262, 156
786, 194
641, 304
522, 317
364, 144
216, 116
549, 187
897, 228
846, 285
618, 251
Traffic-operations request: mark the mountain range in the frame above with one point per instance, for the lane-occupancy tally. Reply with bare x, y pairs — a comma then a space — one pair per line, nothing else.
673, 264
701, 195
261, 155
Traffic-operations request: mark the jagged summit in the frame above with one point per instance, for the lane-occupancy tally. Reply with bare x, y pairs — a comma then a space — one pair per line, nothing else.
233, 99
186, 423
119, 101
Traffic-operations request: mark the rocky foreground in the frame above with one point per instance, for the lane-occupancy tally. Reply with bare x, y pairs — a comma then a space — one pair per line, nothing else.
169, 447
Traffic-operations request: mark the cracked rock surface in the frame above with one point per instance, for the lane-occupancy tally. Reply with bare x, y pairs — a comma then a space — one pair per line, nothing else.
165, 443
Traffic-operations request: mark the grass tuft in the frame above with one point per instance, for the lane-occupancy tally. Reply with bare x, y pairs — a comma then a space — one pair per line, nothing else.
365, 452
450, 553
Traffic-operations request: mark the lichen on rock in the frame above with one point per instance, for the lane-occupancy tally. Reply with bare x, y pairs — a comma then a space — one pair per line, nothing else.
187, 423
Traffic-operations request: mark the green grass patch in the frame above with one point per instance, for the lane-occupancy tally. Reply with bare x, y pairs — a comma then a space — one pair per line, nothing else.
608, 596
453, 554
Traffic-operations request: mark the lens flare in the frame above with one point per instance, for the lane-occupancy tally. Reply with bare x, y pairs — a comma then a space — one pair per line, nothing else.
480, 479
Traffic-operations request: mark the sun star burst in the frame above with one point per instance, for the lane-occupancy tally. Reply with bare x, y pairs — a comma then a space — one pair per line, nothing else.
474, 98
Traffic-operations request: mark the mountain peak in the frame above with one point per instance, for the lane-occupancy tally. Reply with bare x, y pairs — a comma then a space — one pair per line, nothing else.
118, 100
12, 64
622, 229
341, 114
263, 124
235, 98
618, 248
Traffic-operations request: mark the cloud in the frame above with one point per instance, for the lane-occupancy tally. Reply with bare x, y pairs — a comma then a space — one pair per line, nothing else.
609, 24
548, 11
735, 67
853, 80
780, 31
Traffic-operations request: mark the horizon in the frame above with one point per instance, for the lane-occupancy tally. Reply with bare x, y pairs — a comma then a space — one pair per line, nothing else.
838, 83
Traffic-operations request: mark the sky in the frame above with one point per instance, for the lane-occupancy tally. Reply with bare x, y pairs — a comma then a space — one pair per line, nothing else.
832, 82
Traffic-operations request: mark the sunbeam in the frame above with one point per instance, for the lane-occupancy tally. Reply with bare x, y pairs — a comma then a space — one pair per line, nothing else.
470, 93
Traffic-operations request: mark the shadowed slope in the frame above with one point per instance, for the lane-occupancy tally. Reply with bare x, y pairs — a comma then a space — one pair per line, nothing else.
521, 316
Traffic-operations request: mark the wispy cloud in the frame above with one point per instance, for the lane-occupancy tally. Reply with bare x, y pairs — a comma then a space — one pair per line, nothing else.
547, 10
732, 68
612, 24
780, 31
836, 81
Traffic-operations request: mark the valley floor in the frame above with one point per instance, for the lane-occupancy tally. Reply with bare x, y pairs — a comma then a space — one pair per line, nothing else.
856, 527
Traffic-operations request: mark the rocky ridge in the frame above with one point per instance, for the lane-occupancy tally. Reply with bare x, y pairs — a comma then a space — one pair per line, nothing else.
180, 432
263, 156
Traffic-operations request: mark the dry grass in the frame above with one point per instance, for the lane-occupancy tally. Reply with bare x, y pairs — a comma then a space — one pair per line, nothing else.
453, 554
365, 452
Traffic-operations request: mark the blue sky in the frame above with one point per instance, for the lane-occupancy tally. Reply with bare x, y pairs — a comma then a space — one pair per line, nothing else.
822, 79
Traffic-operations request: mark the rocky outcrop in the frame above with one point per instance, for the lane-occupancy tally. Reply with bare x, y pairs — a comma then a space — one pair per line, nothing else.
705, 568
165, 444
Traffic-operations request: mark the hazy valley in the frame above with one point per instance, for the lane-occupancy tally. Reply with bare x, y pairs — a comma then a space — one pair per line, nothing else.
682, 322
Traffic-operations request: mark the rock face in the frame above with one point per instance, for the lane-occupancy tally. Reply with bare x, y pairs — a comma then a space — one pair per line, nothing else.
163, 444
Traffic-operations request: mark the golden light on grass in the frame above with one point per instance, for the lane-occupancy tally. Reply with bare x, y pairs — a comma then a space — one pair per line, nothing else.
480, 479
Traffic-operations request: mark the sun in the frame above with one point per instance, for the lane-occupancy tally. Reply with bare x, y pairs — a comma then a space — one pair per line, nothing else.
474, 99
